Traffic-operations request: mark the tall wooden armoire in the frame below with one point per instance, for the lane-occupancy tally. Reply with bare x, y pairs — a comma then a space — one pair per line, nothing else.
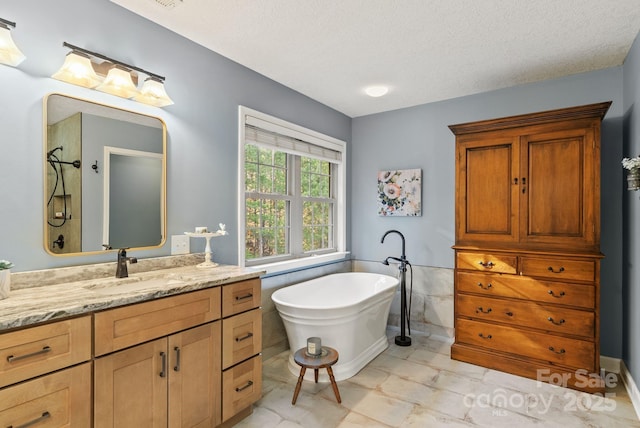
527, 268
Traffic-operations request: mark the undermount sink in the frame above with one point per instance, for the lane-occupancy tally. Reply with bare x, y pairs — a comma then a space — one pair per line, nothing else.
130, 284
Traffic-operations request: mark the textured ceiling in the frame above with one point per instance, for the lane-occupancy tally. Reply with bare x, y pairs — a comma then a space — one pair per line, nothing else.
424, 50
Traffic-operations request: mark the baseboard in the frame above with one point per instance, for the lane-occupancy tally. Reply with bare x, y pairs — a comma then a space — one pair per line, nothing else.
609, 364
631, 387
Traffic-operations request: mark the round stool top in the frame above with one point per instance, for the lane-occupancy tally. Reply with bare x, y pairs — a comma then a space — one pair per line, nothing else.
328, 358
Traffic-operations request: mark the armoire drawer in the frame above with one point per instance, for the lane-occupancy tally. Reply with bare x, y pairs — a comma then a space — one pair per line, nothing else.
486, 262
520, 287
560, 269
547, 347
241, 337
241, 386
42, 349
527, 314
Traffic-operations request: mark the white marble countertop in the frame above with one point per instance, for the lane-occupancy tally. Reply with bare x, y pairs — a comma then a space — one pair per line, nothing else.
32, 305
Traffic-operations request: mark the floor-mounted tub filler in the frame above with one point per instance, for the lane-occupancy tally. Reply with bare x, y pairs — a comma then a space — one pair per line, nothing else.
348, 311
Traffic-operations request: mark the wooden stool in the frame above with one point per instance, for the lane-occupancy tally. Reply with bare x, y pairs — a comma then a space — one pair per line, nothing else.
328, 358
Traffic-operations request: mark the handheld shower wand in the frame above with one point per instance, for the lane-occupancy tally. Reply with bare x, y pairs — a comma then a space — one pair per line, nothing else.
403, 339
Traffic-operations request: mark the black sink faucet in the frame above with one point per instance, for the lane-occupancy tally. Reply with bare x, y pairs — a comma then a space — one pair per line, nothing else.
121, 267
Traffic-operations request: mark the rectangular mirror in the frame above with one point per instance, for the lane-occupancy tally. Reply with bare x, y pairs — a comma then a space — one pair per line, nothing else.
105, 177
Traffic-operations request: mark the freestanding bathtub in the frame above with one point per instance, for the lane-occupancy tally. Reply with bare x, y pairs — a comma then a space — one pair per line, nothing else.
348, 311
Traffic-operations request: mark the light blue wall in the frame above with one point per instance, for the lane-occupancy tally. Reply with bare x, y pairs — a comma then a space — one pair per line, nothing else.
631, 241
418, 137
202, 125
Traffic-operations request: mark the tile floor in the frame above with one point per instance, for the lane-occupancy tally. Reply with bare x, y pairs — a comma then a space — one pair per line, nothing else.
420, 386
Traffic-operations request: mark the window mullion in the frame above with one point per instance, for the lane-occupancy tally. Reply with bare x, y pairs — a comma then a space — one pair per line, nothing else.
296, 205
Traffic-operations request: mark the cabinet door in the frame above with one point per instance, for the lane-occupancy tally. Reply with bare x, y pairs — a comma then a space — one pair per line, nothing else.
195, 377
487, 190
130, 387
558, 202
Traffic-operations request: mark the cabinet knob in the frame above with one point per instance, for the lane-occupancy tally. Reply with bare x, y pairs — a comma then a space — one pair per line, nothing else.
485, 337
480, 310
487, 265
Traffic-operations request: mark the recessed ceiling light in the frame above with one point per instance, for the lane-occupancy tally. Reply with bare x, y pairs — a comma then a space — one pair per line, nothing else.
376, 91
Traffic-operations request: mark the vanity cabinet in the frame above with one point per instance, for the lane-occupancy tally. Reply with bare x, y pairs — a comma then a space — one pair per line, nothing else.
527, 271
241, 347
173, 380
45, 375
190, 360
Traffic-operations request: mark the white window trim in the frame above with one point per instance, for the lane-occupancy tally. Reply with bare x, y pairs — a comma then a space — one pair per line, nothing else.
296, 131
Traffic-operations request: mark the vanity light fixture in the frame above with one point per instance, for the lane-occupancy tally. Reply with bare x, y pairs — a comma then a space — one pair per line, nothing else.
82, 67
9, 52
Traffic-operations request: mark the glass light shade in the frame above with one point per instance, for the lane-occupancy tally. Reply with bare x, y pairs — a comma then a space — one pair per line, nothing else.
77, 69
118, 82
9, 52
153, 93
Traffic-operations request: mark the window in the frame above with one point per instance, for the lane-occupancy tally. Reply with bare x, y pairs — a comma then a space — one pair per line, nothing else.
292, 179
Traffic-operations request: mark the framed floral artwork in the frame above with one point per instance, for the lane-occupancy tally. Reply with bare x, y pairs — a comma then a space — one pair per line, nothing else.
399, 192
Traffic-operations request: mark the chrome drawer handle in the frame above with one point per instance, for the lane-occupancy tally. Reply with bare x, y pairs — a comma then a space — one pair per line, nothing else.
487, 265
245, 297
244, 387
45, 415
485, 337
245, 337
551, 269
44, 350
558, 296
555, 322
561, 351
479, 309
483, 287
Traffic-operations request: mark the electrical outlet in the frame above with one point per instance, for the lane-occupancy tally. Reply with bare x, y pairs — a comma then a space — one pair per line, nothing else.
179, 244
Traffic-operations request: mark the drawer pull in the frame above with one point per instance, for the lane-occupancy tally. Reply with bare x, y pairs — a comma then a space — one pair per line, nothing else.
245, 297
555, 322
551, 269
44, 350
489, 285
245, 337
485, 337
479, 310
176, 368
509, 314
487, 265
45, 415
163, 371
552, 349
244, 387
556, 296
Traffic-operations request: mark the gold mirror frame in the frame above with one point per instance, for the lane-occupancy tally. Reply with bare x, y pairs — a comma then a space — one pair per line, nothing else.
59, 208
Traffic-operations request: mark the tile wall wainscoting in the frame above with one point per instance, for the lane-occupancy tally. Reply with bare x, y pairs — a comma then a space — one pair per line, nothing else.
431, 299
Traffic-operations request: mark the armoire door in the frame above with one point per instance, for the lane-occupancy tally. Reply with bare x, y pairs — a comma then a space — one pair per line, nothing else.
487, 191
557, 189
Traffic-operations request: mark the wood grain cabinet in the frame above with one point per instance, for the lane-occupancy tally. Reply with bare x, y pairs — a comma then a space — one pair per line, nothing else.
241, 347
527, 271
46, 375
